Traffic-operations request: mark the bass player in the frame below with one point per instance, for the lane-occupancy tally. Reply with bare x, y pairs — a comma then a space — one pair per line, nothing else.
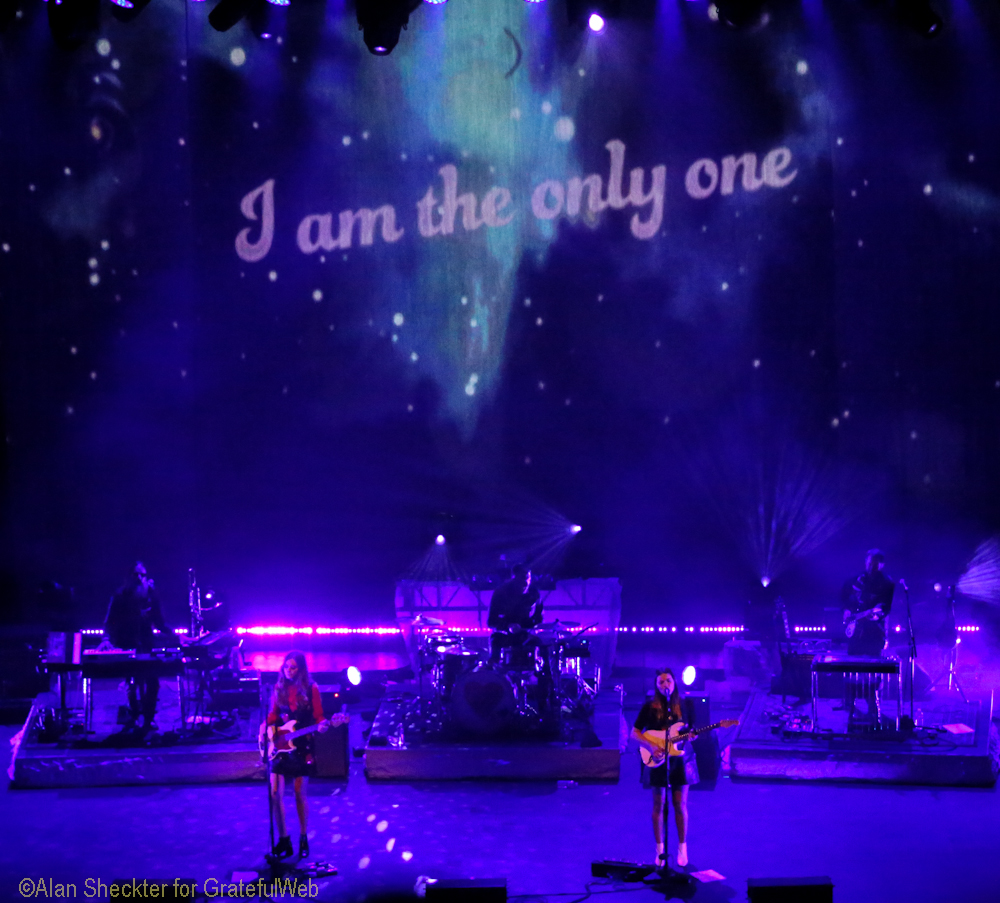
296, 698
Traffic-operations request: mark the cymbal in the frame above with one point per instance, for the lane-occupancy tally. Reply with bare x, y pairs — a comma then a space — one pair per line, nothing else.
422, 619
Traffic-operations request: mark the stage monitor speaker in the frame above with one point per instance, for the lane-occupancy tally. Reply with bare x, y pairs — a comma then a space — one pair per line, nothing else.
817, 889
468, 890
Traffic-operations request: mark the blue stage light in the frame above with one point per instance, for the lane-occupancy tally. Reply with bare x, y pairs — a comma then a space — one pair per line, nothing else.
440, 540
576, 528
688, 675
354, 676
596, 22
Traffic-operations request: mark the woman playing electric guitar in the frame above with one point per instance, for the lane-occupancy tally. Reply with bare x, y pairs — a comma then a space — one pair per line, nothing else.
296, 698
661, 713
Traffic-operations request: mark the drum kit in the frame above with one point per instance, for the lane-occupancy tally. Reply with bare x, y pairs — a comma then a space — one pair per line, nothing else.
535, 682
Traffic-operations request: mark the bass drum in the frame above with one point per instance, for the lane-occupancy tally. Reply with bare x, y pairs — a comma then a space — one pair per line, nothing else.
483, 703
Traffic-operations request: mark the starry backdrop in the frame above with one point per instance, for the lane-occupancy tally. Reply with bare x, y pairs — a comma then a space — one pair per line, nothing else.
753, 367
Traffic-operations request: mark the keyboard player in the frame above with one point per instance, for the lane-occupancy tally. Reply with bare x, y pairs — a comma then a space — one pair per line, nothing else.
132, 614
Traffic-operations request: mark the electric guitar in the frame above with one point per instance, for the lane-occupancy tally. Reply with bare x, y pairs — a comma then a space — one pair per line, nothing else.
851, 620
280, 738
673, 741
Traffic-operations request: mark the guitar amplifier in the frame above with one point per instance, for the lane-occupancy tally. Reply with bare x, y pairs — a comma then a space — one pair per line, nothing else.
331, 748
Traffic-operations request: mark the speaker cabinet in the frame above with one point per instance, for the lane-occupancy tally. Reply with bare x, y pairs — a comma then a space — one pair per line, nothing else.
790, 890
331, 748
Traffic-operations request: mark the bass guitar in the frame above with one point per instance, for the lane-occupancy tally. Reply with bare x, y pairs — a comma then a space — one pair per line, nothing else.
280, 738
673, 741
851, 620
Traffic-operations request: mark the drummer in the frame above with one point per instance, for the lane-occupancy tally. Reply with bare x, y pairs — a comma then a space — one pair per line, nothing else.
514, 609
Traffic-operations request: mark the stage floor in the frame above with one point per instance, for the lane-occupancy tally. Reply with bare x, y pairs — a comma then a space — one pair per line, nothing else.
891, 844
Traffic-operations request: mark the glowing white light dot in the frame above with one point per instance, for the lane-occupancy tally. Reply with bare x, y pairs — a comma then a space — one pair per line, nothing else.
273, 275
414, 356
382, 825
105, 244
546, 107
515, 114
596, 23
93, 374
92, 263
407, 855
539, 321
72, 349
928, 188
397, 319
95, 278
564, 129
725, 286
835, 422
913, 434
103, 46
464, 299
346, 140
364, 862
116, 65
756, 363
802, 67
317, 295
527, 302
389, 844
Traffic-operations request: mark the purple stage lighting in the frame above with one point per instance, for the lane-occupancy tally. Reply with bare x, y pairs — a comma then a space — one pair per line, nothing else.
440, 539
124, 4
688, 675
596, 23
436, 2
576, 528
765, 581
354, 676
279, 2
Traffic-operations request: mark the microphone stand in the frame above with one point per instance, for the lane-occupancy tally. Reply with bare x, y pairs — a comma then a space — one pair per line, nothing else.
278, 866
913, 648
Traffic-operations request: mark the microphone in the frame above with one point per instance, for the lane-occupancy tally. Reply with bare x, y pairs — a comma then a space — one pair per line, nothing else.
902, 583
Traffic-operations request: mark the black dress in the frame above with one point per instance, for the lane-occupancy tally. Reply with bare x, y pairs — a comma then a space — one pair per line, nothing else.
304, 710
677, 771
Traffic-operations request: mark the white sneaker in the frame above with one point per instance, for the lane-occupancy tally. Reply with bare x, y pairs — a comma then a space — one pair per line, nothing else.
682, 854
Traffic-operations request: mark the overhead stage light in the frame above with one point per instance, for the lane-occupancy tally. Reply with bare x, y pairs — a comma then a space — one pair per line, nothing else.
765, 581
72, 21
596, 23
738, 13
382, 20
354, 676
440, 540
576, 528
688, 675
920, 16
